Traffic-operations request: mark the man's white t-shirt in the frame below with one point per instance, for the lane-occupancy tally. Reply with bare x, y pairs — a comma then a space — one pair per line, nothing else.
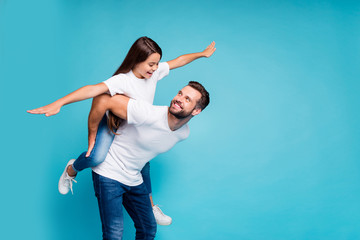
146, 134
137, 88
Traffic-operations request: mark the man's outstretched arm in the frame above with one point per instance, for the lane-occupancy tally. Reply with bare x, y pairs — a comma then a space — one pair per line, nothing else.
116, 104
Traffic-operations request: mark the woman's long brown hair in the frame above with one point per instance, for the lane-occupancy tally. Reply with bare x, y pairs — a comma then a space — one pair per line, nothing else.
139, 52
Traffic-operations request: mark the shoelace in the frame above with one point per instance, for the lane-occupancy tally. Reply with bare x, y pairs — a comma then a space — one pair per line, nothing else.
158, 210
70, 179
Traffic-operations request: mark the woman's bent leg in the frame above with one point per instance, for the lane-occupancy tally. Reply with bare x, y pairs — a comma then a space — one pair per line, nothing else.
145, 172
104, 138
109, 194
161, 218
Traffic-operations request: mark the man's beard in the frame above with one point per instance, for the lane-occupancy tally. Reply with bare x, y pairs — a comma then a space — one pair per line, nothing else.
181, 114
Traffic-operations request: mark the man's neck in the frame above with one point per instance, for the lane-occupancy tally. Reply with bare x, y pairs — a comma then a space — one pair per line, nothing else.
176, 123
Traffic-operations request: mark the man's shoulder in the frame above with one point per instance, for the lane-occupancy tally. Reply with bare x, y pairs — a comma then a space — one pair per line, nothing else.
184, 131
140, 111
144, 104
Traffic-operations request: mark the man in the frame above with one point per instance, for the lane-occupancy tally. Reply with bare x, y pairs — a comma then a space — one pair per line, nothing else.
150, 130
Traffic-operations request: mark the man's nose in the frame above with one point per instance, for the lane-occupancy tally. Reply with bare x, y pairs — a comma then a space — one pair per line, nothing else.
180, 99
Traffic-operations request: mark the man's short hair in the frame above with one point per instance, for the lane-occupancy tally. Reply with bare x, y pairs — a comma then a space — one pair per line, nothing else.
205, 97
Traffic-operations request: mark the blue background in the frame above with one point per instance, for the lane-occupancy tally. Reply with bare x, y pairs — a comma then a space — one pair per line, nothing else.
275, 155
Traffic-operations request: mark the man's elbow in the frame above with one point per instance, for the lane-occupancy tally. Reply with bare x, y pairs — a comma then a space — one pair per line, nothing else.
118, 105
102, 101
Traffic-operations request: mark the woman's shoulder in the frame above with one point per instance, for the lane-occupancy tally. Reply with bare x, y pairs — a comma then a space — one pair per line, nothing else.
122, 75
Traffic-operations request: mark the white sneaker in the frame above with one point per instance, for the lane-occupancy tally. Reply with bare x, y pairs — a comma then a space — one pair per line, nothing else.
160, 217
65, 182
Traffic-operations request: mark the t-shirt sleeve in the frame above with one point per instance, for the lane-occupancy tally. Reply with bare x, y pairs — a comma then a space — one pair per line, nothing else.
116, 84
162, 71
185, 133
138, 112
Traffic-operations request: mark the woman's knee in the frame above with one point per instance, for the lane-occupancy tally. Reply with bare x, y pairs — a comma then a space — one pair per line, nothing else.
95, 159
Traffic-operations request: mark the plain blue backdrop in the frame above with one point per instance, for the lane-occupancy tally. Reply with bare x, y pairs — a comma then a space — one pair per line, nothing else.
274, 157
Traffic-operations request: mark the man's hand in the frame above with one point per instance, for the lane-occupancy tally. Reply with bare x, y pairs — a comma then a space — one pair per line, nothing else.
48, 110
91, 143
209, 50
97, 111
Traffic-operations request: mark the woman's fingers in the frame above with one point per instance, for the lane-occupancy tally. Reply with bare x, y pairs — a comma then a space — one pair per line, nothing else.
44, 110
212, 45
210, 49
36, 111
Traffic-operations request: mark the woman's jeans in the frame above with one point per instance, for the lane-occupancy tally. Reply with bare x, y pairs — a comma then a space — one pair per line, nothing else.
111, 195
103, 141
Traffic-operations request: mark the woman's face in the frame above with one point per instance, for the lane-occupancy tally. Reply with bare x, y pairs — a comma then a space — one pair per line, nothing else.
146, 68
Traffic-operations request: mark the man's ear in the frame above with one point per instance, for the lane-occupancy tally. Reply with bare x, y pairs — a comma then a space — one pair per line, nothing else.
196, 111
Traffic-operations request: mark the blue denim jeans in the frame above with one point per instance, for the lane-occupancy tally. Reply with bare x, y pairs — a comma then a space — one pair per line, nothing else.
103, 141
111, 195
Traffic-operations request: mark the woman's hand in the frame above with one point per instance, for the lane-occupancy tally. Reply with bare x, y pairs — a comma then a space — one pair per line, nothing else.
48, 110
209, 50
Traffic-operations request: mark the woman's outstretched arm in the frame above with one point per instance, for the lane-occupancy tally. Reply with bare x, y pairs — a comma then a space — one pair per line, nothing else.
188, 58
83, 93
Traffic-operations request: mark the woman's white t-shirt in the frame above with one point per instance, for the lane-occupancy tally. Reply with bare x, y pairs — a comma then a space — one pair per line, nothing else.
137, 88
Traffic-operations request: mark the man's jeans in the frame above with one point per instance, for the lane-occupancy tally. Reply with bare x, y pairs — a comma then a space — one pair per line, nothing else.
103, 141
110, 195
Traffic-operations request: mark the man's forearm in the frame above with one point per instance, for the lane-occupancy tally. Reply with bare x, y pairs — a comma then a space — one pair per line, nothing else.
117, 104
98, 110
